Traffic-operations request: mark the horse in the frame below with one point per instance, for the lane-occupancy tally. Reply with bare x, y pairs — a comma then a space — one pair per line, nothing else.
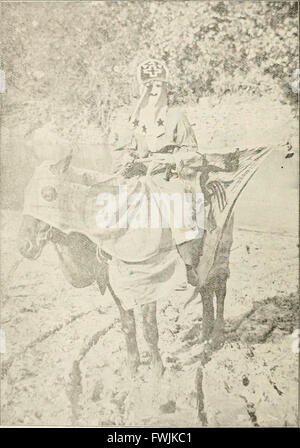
82, 265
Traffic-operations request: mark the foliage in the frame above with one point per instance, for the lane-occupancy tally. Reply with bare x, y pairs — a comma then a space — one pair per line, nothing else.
69, 63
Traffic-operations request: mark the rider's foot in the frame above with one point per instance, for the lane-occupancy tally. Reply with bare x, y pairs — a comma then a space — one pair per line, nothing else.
192, 276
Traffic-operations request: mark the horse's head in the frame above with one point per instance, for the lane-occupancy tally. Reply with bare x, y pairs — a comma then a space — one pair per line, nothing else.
33, 235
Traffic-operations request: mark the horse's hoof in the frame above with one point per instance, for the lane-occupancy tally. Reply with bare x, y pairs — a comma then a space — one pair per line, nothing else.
158, 369
206, 335
217, 339
133, 368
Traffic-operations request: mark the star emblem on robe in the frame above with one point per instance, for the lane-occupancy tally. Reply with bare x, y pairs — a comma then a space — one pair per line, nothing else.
136, 123
160, 122
144, 129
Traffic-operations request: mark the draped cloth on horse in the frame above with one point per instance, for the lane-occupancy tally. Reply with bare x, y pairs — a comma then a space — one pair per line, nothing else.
234, 183
145, 265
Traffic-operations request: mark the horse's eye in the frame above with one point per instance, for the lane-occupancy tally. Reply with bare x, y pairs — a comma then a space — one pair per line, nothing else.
49, 193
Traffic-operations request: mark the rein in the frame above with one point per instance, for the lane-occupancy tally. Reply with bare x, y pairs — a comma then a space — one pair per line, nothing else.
53, 235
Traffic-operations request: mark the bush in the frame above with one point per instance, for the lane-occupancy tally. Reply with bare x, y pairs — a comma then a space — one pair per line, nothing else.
69, 63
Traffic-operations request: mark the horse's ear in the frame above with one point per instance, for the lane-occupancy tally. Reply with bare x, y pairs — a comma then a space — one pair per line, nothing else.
61, 166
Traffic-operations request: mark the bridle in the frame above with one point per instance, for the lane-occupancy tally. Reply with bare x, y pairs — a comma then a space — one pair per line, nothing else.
45, 235
51, 234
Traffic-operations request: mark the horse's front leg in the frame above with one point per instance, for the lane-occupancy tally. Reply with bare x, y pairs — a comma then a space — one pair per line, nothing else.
151, 336
129, 330
207, 294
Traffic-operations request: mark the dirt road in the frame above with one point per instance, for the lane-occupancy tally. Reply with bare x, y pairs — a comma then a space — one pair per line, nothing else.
65, 359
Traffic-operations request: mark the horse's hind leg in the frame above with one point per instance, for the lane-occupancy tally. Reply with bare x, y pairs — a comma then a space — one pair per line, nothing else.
151, 336
129, 330
220, 291
207, 294
222, 273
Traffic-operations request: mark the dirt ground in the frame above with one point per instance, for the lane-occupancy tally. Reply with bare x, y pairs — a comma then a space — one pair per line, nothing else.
65, 358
